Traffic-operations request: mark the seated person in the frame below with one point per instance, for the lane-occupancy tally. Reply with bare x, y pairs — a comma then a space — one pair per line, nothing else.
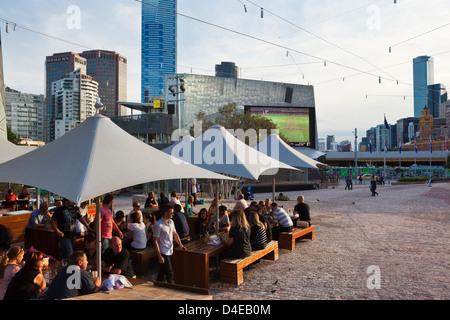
241, 204
90, 249
149, 221
117, 260
282, 218
136, 234
119, 219
238, 241
59, 288
282, 197
151, 202
224, 221
39, 218
163, 199
201, 224
302, 209
265, 222
258, 238
189, 211
136, 208
24, 195
179, 219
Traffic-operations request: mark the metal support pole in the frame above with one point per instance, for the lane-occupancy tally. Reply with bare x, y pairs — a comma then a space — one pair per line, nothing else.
98, 237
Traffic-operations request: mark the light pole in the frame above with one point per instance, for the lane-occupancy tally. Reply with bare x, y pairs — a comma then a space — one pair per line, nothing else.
356, 154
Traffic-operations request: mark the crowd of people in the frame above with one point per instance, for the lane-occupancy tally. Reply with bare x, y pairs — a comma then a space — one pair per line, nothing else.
248, 227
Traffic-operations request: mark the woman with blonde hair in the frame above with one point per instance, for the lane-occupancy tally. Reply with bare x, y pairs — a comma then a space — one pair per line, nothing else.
9, 266
238, 238
258, 237
29, 282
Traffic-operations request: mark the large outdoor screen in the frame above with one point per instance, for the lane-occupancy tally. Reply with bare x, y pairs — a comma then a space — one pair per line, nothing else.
296, 124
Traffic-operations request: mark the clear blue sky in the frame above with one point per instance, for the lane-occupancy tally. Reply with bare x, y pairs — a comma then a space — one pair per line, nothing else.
351, 35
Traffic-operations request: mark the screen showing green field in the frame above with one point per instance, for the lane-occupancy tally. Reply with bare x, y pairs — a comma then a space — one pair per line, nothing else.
293, 123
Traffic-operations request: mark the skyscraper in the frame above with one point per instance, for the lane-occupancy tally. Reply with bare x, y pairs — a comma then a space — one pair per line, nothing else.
2, 97
423, 73
58, 66
158, 45
109, 69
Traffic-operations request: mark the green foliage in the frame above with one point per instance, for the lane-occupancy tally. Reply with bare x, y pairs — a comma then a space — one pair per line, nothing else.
12, 137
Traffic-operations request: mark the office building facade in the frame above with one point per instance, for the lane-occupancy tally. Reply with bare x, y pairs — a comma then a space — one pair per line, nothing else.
228, 70
3, 133
437, 94
73, 98
109, 70
25, 114
158, 46
423, 74
57, 66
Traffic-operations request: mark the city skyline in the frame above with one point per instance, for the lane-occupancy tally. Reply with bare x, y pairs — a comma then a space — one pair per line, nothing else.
344, 43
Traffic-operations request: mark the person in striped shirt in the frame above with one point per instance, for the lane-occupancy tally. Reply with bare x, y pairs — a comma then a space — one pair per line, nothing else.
281, 217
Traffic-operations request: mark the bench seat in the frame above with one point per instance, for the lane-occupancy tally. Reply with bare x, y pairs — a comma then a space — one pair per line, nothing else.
286, 240
141, 259
231, 270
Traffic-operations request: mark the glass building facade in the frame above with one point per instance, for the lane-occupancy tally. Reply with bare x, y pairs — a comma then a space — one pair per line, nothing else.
209, 93
423, 73
3, 133
159, 46
437, 94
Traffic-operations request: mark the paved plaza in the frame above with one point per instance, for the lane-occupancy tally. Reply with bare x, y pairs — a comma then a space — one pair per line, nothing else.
400, 236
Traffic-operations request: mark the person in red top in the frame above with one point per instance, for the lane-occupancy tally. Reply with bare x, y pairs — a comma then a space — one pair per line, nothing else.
107, 222
10, 196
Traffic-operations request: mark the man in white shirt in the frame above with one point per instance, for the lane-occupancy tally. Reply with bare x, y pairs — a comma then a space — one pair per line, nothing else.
241, 204
163, 234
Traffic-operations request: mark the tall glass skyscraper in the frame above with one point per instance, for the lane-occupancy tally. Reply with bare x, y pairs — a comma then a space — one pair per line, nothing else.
159, 45
423, 72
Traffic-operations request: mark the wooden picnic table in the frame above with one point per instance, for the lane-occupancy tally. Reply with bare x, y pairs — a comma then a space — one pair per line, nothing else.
44, 240
191, 267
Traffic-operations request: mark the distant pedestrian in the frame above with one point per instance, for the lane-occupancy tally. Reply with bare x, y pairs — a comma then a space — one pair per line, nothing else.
373, 186
349, 182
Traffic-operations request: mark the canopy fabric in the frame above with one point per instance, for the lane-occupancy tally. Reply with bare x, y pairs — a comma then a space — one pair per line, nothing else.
9, 150
95, 158
220, 151
277, 148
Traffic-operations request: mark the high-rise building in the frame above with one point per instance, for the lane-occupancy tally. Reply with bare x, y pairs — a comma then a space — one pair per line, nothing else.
227, 70
24, 113
437, 94
158, 45
423, 73
330, 140
58, 66
109, 70
73, 99
3, 133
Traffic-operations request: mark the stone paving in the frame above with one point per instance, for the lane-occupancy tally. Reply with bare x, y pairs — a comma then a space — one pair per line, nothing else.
404, 232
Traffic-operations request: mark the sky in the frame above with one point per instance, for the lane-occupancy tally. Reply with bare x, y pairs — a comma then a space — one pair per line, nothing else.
341, 47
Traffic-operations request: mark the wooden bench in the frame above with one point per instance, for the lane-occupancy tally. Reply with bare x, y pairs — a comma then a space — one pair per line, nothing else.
231, 270
141, 259
15, 225
286, 240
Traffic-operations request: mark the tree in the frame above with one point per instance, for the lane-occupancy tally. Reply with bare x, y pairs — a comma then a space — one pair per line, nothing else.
230, 117
12, 137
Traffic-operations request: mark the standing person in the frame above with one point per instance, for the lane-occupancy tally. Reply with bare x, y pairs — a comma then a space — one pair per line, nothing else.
282, 218
238, 241
59, 288
163, 235
193, 183
9, 266
373, 186
302, 209
107, 222
29, 282
63, 222
175, 200
10, 197
24, 195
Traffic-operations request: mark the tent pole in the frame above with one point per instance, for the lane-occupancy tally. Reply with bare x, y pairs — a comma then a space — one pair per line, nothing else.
273, 188
217, 206
98, 238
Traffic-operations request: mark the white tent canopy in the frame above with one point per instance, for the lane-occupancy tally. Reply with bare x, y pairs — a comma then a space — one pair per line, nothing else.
95, 158
220, 151
10, 151
276, 148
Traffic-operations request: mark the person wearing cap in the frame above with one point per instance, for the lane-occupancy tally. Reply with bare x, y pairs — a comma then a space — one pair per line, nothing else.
224, 221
